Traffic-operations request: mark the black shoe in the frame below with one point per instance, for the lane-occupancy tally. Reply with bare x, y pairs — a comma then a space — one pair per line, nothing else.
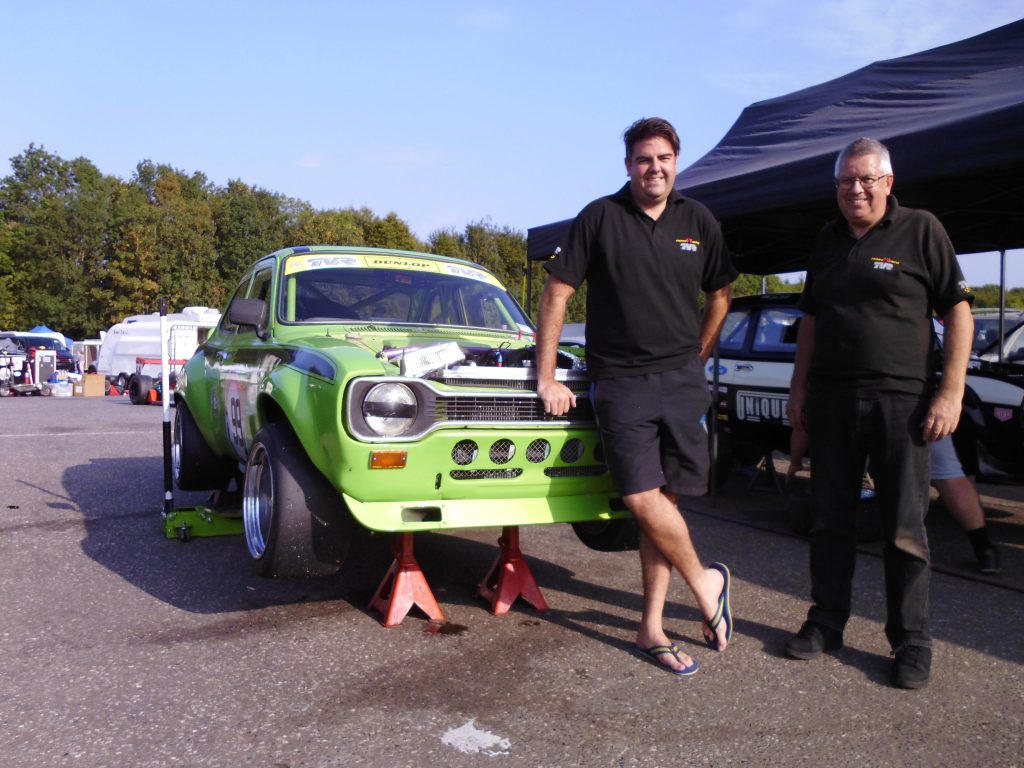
988, 560
811, 640
912, 666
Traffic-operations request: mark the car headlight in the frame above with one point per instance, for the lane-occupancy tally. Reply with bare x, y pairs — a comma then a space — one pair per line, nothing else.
390, 409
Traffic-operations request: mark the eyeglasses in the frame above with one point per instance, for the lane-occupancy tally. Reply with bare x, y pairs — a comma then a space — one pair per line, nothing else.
866, 182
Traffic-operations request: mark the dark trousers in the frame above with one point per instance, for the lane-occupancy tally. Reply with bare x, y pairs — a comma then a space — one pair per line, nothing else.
844, 431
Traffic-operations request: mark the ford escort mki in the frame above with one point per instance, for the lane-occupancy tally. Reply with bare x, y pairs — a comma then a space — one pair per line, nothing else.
349, 390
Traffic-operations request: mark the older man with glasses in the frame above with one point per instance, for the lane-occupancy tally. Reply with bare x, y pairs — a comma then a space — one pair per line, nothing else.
865, 387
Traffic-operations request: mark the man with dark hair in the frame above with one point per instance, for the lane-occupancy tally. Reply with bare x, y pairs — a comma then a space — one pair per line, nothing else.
864, 386
646, 253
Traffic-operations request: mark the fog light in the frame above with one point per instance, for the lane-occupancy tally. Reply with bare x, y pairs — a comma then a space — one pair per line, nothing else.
388, 459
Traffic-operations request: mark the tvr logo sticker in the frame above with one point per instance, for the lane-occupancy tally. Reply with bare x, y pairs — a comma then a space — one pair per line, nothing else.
688, 244
884, 263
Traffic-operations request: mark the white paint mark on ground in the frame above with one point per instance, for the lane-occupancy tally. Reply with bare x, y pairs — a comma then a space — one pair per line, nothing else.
469, 739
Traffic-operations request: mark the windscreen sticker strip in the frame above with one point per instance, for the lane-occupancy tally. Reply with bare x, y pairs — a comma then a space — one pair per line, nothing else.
305, 262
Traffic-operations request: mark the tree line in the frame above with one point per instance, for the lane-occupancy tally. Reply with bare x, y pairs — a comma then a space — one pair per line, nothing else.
81, 250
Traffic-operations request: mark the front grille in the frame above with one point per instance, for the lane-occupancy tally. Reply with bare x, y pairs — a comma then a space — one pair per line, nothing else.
583, 471
538, 451
464, 452
572, 451
468, 408
440, 409
485, 474
502, 451
524, 384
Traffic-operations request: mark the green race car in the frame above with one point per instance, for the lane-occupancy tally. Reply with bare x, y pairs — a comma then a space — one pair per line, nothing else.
349, 390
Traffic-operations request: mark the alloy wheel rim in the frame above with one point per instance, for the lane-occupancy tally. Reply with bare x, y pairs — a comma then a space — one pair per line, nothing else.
258, 501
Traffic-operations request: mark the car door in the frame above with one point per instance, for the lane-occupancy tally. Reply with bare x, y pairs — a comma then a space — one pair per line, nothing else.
233, 362
755, 370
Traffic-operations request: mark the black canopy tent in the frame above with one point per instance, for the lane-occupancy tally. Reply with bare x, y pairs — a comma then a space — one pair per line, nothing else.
952, 116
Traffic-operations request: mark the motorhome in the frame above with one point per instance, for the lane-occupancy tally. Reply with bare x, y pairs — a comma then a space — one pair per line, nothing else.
138, 336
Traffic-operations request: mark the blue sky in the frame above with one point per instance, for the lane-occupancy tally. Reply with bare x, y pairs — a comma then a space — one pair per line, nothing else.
445, 112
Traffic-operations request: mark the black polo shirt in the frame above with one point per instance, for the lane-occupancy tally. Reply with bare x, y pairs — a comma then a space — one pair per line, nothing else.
643, 280
873, 300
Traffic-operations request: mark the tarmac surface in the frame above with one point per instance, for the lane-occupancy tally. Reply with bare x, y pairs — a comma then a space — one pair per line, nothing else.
120, 647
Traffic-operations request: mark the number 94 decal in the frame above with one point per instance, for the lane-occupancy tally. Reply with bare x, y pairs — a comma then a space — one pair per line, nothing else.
235, 420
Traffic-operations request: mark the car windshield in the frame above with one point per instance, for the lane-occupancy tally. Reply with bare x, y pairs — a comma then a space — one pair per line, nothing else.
734, 330
384, 289
986, 332
43, 342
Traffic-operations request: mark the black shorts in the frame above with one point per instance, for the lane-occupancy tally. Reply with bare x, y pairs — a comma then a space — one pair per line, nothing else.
653, 430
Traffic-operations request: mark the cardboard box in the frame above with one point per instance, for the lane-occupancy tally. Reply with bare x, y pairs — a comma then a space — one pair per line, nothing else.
78, 388
94, 385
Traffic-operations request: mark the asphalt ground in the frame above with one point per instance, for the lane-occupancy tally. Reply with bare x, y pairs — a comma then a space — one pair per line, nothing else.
120, 647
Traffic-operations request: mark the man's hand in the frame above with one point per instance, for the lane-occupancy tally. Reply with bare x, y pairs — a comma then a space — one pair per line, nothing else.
795, 410
944, 412
943, 416
557, 397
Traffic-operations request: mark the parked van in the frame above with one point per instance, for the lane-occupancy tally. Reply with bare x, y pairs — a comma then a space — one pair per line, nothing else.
138, 336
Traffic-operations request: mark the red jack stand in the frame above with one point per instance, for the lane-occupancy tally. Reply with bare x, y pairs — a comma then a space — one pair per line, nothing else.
404, 586
510, 577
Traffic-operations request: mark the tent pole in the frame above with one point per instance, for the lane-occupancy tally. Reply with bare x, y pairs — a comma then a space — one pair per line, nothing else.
1002, 301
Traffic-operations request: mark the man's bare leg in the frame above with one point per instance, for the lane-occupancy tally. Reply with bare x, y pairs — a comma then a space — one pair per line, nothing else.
665, 543
656, 574
961, 499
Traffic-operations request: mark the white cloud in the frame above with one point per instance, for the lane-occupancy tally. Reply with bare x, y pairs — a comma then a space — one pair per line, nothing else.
485, 18
411, 157
311, 162
869, 30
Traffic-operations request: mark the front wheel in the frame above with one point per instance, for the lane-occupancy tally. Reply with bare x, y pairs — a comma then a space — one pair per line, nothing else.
139, 388
296, 524
609, 535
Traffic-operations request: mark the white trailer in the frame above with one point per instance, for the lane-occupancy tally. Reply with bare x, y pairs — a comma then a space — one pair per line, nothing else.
138, 336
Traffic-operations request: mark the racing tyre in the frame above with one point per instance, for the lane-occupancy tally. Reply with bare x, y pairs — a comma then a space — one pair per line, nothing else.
122, 381
296, 524
194, 465
609, 535
138, 389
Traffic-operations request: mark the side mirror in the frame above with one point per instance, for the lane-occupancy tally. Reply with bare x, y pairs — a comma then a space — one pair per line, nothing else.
251, 313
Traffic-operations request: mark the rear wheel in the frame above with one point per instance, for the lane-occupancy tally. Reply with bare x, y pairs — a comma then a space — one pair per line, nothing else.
138, 389
194, 465
296, 524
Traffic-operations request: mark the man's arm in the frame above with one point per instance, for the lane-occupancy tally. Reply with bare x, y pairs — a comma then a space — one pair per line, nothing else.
557, 397
716, 307
944, 413
801, 365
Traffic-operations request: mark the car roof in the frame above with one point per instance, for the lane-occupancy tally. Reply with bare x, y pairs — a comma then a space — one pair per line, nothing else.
767, 299
987, 312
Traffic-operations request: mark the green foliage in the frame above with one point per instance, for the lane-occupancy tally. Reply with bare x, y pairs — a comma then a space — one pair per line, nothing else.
9, 308
79, 251
249, 223
751, 285
988, 296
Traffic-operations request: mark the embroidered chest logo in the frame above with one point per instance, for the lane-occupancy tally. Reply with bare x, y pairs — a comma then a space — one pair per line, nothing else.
688, 244
884, 262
